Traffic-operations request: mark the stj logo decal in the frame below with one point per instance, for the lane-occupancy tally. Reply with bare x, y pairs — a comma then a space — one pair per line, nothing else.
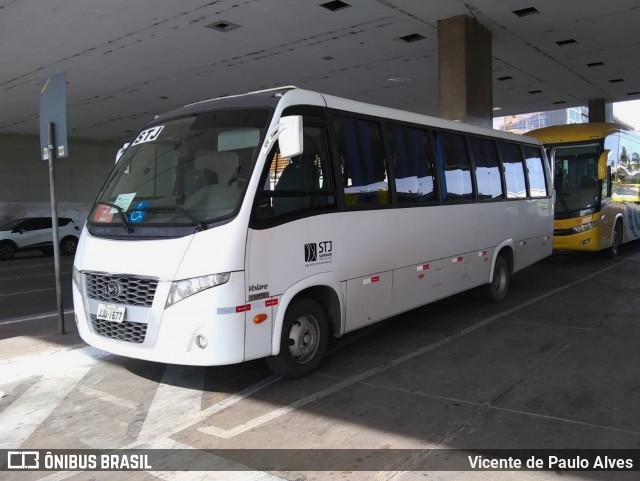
317, 253
311, 252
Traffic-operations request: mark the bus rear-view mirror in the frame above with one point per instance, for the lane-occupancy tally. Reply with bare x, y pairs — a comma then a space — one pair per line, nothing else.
602, 165
290, 137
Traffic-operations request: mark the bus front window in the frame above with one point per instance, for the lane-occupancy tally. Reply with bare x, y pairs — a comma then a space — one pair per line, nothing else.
576, 180
188, 171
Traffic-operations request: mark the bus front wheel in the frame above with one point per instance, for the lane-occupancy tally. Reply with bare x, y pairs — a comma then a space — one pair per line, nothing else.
616, 240
303, 342
496, 290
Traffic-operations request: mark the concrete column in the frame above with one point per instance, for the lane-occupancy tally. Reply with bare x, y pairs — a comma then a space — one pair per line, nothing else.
465, 71
600, 111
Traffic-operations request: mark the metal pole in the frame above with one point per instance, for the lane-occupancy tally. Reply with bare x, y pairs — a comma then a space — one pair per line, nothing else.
54, 226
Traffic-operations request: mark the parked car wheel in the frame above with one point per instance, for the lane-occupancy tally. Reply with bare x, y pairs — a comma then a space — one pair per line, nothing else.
68, 245
7, 250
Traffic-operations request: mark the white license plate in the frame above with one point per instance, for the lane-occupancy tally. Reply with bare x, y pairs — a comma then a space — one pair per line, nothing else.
109, 312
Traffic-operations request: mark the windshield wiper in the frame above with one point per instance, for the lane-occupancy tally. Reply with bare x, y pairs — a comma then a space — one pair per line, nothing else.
177, 208
127, 228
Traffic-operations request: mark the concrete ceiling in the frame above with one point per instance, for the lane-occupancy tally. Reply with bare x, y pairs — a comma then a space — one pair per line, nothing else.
127, 60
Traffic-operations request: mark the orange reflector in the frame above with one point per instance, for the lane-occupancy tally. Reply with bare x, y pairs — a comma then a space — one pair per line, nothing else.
259, 318
420, 276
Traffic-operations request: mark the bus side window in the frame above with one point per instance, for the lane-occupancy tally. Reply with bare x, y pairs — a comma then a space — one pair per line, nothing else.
413, 167
535, 170
454, 166
513, 170
303, 183
364, 171
487, 164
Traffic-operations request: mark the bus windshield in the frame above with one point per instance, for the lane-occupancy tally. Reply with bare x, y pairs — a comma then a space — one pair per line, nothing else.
576, 181
188, 171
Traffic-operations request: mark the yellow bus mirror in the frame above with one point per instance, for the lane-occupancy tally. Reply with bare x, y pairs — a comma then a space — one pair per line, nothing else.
602, 165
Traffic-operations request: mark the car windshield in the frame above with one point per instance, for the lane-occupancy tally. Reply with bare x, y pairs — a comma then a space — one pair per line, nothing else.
186, 171
576, 182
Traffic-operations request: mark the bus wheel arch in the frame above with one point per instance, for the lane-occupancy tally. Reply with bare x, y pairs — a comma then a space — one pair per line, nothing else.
301, 333
502, 270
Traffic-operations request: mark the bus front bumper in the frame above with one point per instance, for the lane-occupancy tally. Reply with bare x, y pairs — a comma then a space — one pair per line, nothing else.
191, 332
589, 240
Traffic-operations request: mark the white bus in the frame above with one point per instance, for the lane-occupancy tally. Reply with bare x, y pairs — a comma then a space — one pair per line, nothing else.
260, 225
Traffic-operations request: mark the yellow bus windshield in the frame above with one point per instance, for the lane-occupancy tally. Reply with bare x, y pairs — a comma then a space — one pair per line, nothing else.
576, 181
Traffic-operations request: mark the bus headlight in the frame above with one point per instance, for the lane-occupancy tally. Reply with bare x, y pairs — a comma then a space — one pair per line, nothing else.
586, 227
182, 289
76, 276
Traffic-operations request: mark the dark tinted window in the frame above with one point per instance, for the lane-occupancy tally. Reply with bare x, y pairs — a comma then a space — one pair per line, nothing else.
303, 183
487, 163
413, 170
453, 163
513, 170
535, 170
364, 172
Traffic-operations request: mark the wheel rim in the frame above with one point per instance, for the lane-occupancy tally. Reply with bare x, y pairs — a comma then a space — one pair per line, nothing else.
6, 251
68, 246
304, 338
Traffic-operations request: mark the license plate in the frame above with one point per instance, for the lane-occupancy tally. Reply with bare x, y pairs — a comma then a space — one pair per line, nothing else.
109, 312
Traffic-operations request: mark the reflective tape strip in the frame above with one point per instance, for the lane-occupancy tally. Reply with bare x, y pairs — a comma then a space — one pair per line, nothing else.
226, 310
482, 254
248, 307
370, 280
457, 259
423, 267
523, 243
271, 302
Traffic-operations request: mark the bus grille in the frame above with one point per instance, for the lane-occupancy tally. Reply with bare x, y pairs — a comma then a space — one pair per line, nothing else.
132, 291
123, 331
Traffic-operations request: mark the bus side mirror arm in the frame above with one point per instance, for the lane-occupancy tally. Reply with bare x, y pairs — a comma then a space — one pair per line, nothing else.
289, 134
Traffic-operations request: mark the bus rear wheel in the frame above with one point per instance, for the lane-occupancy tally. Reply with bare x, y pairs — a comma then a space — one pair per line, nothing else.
303, 342
496, 290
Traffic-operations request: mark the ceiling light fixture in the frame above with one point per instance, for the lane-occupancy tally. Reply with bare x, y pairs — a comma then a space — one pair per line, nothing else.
562, 43
523, 12
335, 5
222, 26
412, 37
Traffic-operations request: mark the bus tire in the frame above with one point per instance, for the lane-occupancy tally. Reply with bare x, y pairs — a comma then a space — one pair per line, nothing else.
496, 290
303, 341
616, 239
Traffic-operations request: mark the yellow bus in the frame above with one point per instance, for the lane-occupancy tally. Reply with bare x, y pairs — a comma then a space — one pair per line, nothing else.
597, 184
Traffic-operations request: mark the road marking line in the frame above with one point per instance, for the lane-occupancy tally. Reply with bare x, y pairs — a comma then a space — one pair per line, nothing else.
34, 318
27, 292
178, 400
51, 363
265, 418
229, 470
36, 404
173, 404
104, 396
